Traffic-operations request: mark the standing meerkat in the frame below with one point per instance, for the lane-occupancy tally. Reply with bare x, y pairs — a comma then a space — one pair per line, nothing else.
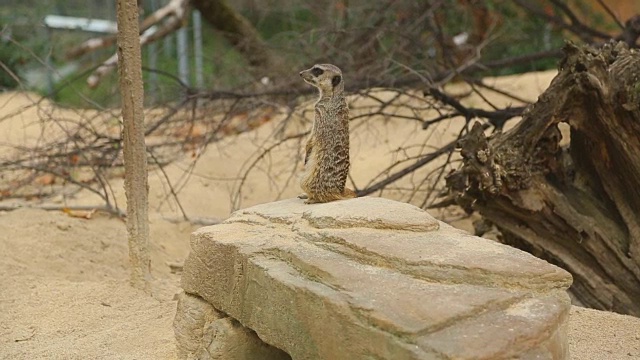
327, 152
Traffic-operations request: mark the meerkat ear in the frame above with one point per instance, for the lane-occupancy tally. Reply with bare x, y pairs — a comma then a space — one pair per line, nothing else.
336, 80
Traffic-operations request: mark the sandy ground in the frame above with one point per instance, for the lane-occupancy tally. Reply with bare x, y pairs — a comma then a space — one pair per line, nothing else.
63, 280
65, 294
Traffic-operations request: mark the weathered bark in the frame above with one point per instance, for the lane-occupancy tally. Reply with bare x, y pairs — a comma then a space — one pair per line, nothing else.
577, 207
135, 155
238, 31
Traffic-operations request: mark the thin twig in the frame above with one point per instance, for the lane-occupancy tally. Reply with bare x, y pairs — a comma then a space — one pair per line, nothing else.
610, 12
111, 210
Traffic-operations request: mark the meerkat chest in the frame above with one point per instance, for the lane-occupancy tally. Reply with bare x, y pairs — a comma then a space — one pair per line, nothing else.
331, 117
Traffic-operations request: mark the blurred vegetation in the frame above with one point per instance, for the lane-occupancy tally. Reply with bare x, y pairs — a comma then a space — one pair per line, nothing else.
357, 35
20, 39
520, 34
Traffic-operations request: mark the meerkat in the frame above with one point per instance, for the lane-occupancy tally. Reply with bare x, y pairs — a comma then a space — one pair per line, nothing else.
326, 157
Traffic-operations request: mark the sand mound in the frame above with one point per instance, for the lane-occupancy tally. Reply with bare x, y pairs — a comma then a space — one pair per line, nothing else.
65, 292
61, 319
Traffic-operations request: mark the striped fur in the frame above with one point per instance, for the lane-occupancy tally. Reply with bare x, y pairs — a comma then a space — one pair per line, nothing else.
327, 150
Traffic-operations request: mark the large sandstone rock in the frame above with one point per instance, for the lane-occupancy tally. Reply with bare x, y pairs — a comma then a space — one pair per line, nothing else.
204, 333
371, 278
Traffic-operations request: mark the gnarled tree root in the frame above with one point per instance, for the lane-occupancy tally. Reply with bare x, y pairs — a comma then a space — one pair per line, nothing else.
576, 206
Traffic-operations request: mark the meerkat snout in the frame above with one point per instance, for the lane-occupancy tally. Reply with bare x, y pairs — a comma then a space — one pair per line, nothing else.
326, 77
309, 75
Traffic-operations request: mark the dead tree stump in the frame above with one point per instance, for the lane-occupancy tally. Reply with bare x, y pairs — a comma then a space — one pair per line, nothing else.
576, 206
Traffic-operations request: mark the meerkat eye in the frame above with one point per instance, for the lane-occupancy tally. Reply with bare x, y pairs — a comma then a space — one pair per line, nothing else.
317, 71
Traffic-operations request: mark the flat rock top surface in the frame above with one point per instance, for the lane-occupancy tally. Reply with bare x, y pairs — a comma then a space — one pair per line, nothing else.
374, 277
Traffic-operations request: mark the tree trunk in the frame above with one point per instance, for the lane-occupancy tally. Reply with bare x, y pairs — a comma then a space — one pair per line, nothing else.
579, 206
135, 154
238, 31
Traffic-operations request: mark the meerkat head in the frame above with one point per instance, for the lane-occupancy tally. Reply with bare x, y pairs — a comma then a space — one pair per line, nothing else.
326, 77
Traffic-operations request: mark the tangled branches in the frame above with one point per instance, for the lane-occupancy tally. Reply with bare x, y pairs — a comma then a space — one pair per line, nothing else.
405, 63
61, 152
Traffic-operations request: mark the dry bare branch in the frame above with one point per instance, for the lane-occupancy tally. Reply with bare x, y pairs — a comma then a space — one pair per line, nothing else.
166, 20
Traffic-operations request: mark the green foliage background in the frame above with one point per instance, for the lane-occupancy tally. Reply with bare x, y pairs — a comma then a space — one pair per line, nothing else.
290, 27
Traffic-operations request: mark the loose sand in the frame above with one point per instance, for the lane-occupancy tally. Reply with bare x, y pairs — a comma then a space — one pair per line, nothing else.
63, 280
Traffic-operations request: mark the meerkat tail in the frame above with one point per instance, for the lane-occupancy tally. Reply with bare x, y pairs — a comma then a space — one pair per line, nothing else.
349, 194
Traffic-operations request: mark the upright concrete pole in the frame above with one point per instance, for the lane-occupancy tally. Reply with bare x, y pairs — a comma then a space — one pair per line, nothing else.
197, 48
152, 63
183, 55
135, 154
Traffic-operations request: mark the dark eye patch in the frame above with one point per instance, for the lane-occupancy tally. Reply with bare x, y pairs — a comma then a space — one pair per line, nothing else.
336, 80
317, 71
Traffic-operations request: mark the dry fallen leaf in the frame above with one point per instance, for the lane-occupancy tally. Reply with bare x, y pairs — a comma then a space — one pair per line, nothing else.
46, 179
74, 159
83, 214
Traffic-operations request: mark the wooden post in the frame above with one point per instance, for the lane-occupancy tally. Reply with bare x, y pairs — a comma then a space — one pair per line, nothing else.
135, 157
